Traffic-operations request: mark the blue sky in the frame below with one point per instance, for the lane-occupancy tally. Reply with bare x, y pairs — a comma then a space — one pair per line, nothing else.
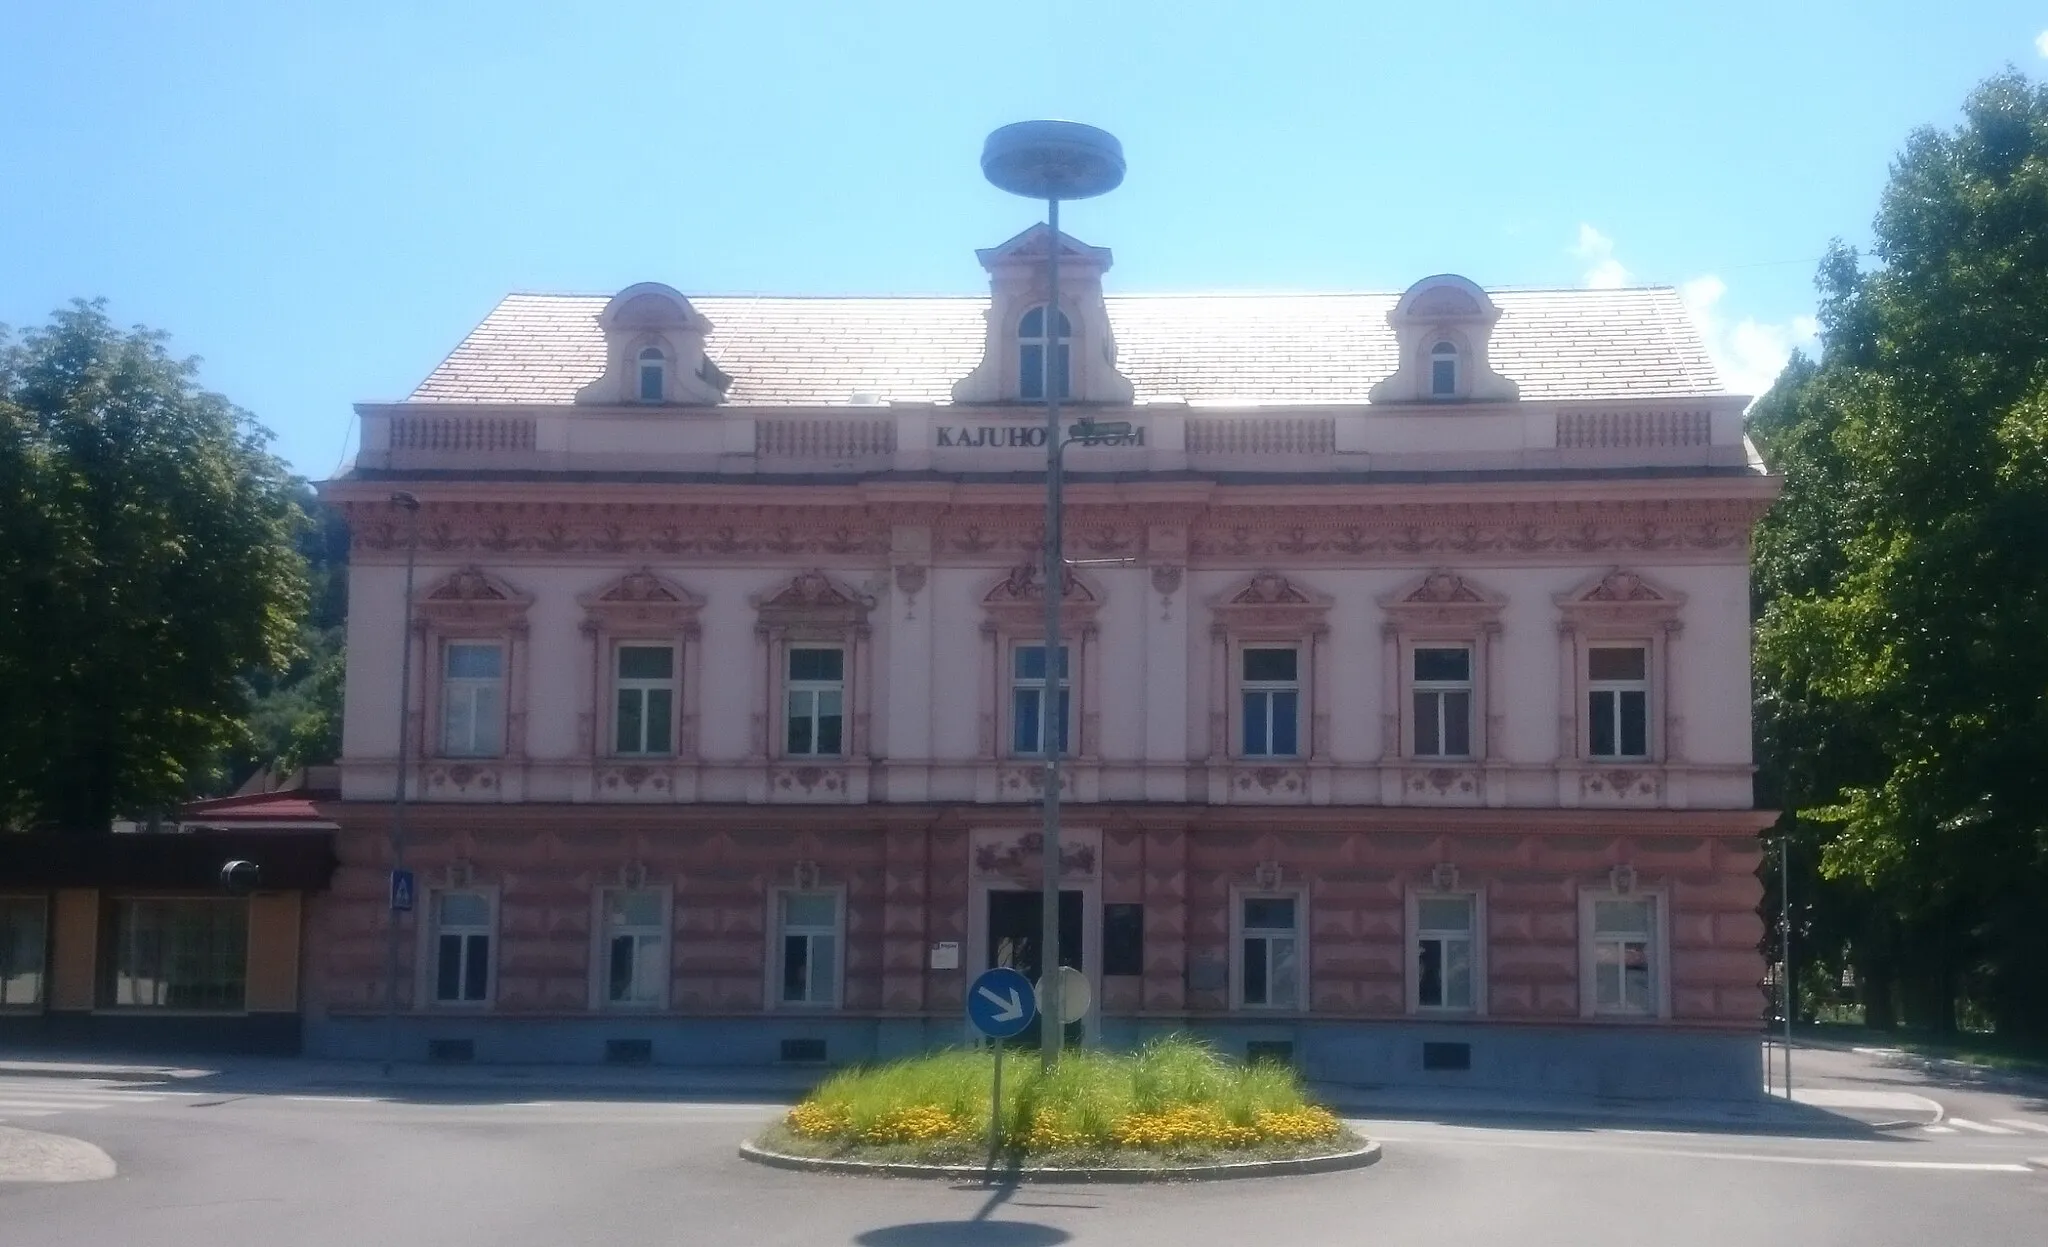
320, 199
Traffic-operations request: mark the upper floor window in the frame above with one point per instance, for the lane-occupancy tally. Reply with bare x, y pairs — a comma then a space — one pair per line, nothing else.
1033, 715
1443, 370
644, 699
1031, 345
1271, 693
653, 375
1443, 701
473, 699
1618, 701
816, 700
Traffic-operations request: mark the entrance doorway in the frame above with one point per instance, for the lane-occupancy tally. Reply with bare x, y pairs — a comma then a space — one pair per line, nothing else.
1015, 926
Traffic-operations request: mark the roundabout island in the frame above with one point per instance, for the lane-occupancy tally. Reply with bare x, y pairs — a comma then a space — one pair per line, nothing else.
1174, 1110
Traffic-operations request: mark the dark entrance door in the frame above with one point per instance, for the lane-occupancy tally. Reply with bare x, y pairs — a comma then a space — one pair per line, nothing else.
1015, 923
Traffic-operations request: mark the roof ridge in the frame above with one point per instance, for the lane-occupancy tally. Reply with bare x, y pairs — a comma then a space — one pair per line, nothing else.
1634, 288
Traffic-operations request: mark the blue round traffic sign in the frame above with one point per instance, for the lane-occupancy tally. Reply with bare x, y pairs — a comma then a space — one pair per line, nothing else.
1001, 1002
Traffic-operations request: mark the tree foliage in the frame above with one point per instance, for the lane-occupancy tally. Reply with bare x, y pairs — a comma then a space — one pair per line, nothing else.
147, 566
1903, 577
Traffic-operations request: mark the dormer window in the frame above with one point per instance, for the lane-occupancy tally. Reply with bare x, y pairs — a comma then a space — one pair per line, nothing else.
1443, 370
1443, 329
653, 375
1031, 344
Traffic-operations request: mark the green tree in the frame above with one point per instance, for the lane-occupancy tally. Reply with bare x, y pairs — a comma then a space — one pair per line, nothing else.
147, 565
1904, 576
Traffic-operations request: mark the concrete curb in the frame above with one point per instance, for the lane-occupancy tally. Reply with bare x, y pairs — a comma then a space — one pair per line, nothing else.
32, 1156
1357, 1158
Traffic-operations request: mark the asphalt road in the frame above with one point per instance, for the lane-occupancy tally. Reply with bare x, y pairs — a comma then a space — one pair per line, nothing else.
204, 1168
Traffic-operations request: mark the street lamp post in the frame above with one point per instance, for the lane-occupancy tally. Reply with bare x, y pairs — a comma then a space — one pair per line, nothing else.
411, 506
1052, 160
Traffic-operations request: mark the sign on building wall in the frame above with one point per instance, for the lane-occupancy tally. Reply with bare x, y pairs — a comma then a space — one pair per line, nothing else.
1017, 437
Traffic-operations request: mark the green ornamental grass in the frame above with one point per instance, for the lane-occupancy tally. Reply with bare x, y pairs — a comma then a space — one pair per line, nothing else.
936, 1106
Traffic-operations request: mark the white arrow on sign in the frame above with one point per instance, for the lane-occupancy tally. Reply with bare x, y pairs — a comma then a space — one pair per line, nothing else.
1006, 1010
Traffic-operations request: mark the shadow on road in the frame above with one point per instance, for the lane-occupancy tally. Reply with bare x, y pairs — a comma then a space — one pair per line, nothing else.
977, 1231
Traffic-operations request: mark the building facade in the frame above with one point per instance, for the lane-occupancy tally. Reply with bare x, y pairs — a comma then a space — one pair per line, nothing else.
1404, 681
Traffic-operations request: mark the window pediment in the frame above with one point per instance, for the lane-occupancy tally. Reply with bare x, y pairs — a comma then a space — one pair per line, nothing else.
1621, 596
472, 597
1443, 597
641, 598
1270, 600
813, 600
1017, 601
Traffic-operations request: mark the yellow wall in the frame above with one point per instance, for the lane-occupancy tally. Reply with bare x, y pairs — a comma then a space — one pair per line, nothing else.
273, 953
74, 945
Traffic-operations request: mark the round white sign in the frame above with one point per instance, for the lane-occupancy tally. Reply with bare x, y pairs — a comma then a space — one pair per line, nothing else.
1076, 996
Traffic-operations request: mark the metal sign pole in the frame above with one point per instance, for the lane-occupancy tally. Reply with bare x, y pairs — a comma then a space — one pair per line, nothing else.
1052, 724
995, 1109
1785, 945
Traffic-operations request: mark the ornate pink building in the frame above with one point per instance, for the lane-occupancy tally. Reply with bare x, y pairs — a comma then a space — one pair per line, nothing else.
1405, 681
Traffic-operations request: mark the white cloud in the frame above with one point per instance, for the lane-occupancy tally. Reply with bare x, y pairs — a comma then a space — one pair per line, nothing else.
1603, 271
1748, 353
2041, 43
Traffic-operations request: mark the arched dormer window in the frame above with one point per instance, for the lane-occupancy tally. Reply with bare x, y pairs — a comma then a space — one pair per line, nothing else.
653, 375
1031, 343
1443, 370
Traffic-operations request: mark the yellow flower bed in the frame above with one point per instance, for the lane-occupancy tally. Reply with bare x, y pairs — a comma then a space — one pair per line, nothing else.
819, 1121
920, 1124
1049, 1135
1181, 1126
1307, 1124
1188, 1125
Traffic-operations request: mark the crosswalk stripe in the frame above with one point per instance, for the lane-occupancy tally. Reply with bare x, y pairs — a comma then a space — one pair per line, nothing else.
2022, 1124
1979, 1126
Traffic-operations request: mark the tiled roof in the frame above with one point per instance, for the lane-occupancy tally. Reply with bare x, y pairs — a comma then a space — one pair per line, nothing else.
1327, 348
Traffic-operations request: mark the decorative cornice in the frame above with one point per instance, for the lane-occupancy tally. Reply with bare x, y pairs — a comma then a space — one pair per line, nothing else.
1006, 533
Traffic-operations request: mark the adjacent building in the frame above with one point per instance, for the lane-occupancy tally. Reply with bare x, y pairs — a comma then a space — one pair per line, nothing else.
1404, 681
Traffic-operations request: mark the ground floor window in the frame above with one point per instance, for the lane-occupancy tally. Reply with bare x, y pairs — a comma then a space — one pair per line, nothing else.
463, 926
1623, 953
24, 930
807, 947
635, 947
1269, 951
176, 954
1446, 960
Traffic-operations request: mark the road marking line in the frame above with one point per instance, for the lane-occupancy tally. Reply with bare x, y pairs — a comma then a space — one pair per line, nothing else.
7, 1114
2022, 1123
1939, 1129
1979, 1126
1848, 1162
56, 1106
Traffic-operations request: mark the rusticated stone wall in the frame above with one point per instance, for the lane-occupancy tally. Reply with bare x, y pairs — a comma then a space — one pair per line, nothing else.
907, 877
